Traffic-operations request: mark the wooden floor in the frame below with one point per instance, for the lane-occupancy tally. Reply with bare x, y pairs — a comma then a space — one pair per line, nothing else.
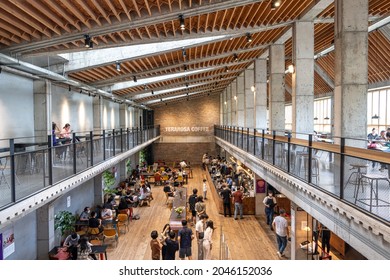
246, 239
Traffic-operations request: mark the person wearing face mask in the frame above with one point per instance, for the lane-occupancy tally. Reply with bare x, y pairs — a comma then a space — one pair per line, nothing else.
85, 215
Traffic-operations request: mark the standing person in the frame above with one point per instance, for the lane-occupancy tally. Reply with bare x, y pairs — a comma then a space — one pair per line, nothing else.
164, 236
200, 228
226, 194
155, 245
200, 207
191, 202
204, 189
185, 237
238, 197
280, 225
270, 203
325, 238
72, 241
171, 246
207, 240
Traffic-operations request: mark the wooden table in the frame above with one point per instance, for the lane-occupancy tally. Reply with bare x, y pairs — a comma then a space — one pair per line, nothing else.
179, 200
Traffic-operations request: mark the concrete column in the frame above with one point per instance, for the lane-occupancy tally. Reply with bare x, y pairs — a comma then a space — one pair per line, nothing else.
249, 96
222, 110
241, 100
277, 90
234, 103
229, 104
42, 109
46, 236
261, 93
351, 70
98, 189
300, 230
122, 116
303, 78
98, 114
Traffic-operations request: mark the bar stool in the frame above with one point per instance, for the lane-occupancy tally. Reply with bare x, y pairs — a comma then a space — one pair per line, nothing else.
356, 176
303, 163
371, 178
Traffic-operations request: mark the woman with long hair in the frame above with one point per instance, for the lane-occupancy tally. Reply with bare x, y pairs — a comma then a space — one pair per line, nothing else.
207, 240
164, 236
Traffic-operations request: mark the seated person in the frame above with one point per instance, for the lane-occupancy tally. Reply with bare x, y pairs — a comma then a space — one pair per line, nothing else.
84, 216
94, 222
66, 134
132, 198
123, 206
107, 214
168, 190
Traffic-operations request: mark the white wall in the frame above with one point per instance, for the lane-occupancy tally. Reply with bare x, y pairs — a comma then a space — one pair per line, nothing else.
110, 115
73, 108
16, 106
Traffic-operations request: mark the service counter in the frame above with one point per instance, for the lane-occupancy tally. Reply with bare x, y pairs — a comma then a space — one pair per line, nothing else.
248, 202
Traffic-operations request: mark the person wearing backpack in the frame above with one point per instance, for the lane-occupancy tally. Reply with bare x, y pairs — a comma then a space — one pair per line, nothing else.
191, 202
270, 203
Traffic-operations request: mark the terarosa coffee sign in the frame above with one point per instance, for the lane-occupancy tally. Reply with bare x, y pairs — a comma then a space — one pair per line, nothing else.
187, 129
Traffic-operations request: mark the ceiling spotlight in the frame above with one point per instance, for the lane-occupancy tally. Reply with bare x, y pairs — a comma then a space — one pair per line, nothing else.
134, 79
182, 24
235, 57
70, 88
248, 37
161, 100
187, 85
88, 43
184, 53
185, 67
253, 88
118, 66
275, 4
227, 69
145, 87
152, 92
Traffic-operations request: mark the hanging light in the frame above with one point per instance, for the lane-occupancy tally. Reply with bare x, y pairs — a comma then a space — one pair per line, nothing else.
184, 53
185, 67
227, 69
152, 92
235, 57
275, 4
118, 66
134, 79
375, 117
87, 41
248, 38
182, 23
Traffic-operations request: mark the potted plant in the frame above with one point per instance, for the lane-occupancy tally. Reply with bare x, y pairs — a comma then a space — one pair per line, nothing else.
64, 221
179, 210
108, 181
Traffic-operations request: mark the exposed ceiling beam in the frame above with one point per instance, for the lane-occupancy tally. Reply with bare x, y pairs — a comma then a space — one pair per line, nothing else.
130, 76
323, 75
169, 16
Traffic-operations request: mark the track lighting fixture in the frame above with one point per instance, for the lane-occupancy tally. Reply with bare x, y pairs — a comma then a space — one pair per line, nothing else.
145, 87
134, 79
118, 66
248, 38
186, 85
88, 41
184, 53
152, 92
161, 99
185, 67
275, 4
235, 57
227, 69
182, 23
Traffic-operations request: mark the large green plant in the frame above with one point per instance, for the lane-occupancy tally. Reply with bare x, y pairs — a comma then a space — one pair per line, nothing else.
109, 181
65, 222
128, 167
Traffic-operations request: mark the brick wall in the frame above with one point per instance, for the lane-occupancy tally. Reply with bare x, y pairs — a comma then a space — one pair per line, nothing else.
187, 129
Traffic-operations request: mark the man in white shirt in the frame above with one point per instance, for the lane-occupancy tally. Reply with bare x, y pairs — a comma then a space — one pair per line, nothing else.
200, 228
204, 188
106, 213
280, 225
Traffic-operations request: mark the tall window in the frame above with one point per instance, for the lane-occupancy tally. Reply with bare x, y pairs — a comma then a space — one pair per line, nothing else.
322, 115
288, 116
378, 109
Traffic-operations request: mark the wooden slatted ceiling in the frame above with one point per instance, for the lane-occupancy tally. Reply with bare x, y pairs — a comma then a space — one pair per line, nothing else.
378, 59
375, 8
320, 86
137, 66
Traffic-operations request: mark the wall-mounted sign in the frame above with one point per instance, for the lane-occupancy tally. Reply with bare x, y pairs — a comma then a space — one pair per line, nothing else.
260, 186
8, 242
187, 129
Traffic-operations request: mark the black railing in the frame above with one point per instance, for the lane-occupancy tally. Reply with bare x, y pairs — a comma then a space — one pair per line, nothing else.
30, 165
351, 173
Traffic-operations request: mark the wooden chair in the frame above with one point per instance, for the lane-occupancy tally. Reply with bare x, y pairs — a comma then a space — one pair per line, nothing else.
110, 234
123, 221
94, 233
